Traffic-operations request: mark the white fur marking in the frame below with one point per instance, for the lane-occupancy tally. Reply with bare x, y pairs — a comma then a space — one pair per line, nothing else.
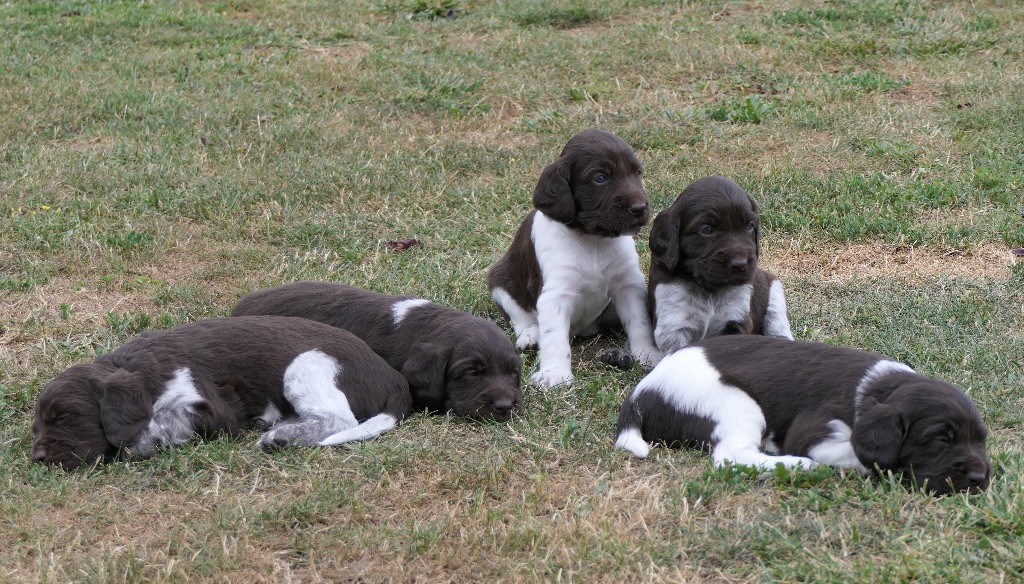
171, 422
836, 450
271, 415
370, 428
776, 318
310, 386
688, 313
874, 373
631, 440
400, 309
688, 381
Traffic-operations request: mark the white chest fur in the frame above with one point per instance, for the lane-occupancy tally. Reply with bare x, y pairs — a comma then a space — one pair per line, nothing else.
687, 313
584, 268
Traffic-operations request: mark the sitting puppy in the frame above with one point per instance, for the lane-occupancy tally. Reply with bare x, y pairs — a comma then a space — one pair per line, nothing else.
704, 279
308, 382
808, 403
574, 258
452, 360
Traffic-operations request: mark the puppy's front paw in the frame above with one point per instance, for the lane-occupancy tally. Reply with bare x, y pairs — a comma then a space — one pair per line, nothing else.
546, 379
620, 358
270, 441
527, 341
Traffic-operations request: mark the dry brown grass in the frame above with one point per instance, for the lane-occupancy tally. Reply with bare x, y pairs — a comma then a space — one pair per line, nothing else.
895, 263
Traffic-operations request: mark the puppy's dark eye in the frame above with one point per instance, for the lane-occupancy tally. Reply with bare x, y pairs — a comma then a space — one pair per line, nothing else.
751, 227
707, 229
600, 178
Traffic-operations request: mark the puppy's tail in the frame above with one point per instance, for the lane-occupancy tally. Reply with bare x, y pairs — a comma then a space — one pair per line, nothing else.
627, 430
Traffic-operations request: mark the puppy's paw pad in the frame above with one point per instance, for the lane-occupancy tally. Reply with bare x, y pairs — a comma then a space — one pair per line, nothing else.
272, 441
549, 379
620, 358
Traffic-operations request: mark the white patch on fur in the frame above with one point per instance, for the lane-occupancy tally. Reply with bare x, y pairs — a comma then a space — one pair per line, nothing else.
631, 440
836, 450
171, 423
769, 445
370, 428
400, 309
776, 318
581, 274
271, 415
310, 385
877, 371
524, 323
688, 313
688, 381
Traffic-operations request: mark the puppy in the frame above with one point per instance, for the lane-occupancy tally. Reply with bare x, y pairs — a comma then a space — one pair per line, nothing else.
453, 360
763, 401
704, 279
574, 258
308, 382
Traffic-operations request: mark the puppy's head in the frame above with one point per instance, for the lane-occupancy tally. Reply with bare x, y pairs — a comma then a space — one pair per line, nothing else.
930, 431
710, 234
473, 372
86, 414
594, 186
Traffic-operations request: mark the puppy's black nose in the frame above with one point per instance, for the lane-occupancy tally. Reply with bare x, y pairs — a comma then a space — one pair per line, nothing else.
978, 478
39, 454
503, 405
638, 209
739, 264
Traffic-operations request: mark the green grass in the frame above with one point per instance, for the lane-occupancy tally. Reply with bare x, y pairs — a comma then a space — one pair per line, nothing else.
159, 160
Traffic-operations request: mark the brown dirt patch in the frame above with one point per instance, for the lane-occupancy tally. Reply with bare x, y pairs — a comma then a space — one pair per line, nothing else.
897, 262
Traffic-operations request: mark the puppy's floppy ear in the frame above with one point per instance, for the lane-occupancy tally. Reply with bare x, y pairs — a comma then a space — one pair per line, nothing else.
125, 408
553, 195
878, 434
757, 227
425, 370
664, 239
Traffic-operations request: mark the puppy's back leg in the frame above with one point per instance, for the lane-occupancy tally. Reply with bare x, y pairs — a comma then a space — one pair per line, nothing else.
739, 434
398, 405
310, 385
524, 322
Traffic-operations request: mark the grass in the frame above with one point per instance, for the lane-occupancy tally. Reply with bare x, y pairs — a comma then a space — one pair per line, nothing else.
159, 160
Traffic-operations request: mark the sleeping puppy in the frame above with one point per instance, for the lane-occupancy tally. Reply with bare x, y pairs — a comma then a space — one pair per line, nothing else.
309, 383
704, 279
573, 260
454, 361
763, 401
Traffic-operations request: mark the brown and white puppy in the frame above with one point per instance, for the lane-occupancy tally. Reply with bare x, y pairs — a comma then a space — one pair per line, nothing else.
309, 383
454, 361
574, 257
764, 401
704, 279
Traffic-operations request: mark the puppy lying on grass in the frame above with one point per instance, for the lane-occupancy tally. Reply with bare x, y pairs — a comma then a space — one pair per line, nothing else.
453, 360
763, 401
304, 382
